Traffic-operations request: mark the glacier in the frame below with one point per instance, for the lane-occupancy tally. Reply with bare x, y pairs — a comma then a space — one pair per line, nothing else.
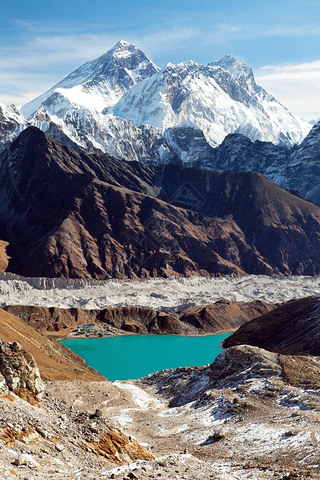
161, 294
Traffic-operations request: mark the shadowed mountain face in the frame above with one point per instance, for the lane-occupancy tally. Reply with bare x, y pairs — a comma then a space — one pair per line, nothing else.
296, 169
292, 328
88, 215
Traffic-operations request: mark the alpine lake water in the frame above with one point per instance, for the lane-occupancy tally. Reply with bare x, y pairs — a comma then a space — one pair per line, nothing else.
135, 356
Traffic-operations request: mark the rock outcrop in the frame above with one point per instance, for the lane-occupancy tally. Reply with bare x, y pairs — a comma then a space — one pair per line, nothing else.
19, 372
234, 367
292, 329
223, 315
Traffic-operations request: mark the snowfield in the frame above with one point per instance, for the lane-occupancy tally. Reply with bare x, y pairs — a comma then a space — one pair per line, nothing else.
161, 294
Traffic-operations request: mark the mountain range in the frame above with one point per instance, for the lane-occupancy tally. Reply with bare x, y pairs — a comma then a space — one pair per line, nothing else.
211, 116
126, 170
89, 215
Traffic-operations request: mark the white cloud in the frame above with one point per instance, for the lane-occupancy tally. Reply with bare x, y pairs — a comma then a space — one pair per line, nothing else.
297, 86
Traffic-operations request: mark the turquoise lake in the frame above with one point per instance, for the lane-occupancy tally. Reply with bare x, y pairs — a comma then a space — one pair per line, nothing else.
134, 356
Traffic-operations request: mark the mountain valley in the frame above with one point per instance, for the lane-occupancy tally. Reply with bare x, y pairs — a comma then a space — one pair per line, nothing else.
181, 201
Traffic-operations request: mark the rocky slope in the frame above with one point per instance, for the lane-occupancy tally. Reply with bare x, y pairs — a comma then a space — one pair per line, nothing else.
293, 328
71, 214
202, 422
55, 361
222, 316
302, 172
186, 423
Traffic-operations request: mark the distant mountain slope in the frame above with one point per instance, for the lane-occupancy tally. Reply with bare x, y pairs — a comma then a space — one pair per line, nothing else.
221, 316
293, 328
296, 169
84, 215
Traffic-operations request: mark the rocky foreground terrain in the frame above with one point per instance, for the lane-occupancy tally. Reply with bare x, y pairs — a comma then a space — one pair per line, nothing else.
251, 414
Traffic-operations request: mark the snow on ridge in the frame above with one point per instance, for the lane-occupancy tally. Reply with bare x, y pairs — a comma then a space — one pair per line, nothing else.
161, 294
104, 70
219, 98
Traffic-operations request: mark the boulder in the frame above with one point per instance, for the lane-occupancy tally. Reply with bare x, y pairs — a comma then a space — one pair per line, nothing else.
19, 372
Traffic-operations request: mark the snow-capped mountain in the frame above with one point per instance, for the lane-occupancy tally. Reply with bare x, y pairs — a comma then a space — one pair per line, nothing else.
218, 99
123, 104
98, 84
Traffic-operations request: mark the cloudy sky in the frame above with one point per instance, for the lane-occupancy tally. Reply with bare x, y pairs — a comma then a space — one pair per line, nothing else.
42, 41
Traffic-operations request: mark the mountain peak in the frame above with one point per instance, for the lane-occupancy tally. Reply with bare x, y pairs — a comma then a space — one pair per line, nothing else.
228, 59
99, 83
233, 66
31, 133
123, 44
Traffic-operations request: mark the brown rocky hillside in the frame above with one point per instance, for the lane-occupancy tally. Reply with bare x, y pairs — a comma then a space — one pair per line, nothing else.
291, 329
88, 215
54, 360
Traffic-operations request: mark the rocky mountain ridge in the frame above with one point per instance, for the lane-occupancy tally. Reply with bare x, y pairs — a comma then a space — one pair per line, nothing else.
148, 221
296, 168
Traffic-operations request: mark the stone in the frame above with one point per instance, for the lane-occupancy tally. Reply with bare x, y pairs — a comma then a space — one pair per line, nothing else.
26, 459
20, 371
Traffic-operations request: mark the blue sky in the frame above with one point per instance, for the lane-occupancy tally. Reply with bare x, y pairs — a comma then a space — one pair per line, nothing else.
42, 41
